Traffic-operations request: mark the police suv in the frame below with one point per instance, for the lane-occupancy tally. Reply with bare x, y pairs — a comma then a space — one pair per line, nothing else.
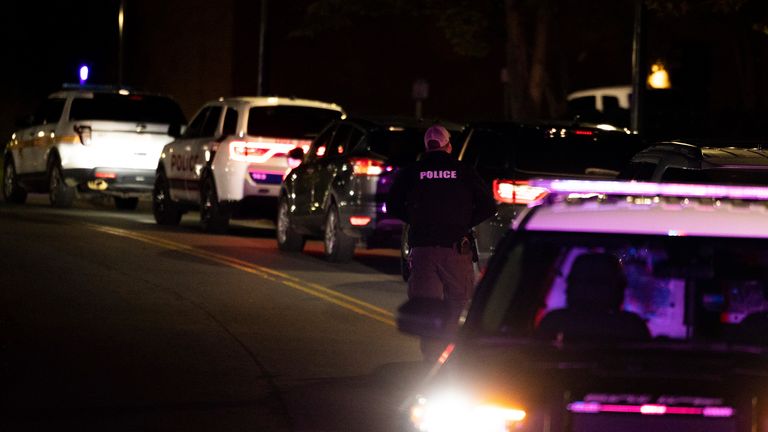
611, 305
232, 157
90, 139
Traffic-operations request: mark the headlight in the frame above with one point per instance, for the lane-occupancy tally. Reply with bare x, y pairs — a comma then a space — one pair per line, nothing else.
455, 413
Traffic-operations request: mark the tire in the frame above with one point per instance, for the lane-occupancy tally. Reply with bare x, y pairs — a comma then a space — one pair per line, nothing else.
59, 194
287, 239
12, 191
405, 254
214, 216
166, 211
126, 203
338, 246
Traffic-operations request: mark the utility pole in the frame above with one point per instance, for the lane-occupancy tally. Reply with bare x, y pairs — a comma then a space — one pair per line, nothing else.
262, 35
638, 67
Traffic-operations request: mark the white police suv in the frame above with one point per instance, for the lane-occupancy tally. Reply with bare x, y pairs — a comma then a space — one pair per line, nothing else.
90, 139
232, 157
611, 306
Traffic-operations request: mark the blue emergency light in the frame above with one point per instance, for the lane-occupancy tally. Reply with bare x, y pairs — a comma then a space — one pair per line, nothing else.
84, 74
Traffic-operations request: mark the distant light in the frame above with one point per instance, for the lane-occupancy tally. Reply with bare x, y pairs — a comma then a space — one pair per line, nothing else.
659, 77
124, 92
84, 74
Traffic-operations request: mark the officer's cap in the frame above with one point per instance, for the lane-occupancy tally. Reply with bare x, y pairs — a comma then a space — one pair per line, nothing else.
436, 137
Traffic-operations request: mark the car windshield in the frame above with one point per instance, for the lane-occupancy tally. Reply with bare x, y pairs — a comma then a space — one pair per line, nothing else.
607, 287
289, 121
127, 108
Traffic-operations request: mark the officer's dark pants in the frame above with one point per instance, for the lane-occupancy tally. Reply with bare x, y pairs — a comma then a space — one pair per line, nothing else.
442, 273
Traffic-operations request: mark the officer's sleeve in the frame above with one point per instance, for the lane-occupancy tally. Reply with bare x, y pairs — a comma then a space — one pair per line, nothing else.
398, 196
484, 204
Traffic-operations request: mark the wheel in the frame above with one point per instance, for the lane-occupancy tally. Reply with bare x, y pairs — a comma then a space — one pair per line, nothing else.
59, 194
126, 203
12, 191
287, 239
214, 216
165, 210
338, 246
405, 255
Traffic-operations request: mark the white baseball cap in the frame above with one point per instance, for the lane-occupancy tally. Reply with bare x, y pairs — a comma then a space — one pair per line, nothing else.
436, 137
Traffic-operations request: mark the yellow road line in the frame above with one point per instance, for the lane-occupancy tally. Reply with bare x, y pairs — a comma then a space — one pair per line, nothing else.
347, 302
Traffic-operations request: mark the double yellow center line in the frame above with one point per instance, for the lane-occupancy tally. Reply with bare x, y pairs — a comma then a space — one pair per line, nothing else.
313, 289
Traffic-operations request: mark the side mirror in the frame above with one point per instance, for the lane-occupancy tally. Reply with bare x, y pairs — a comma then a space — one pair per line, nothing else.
175, 130
427, 317
295, 157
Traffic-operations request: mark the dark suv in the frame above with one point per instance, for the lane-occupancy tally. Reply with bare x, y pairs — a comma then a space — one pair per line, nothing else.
338, 192
690, 161
508, 154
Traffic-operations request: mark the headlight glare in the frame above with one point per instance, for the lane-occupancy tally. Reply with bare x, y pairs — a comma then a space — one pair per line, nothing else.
454, 413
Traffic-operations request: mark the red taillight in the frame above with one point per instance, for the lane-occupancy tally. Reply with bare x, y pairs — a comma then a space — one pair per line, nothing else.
370, 167
106, 175
359, 220
582, 132
261, 149
517, 192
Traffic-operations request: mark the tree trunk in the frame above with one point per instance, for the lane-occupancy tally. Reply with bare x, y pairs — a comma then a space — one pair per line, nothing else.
538, 74
517, 60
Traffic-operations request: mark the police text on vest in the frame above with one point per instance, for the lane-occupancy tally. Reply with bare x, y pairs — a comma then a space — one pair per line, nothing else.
437, 174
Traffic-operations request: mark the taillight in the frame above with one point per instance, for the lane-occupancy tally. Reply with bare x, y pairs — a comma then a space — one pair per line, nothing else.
517, 192
369, 167
583, 132
260, 149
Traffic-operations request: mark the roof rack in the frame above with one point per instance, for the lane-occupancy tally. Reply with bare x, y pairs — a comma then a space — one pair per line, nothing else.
632, 188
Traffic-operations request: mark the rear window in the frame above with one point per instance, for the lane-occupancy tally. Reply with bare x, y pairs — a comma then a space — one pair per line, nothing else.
397, 146
127, 108
289, 121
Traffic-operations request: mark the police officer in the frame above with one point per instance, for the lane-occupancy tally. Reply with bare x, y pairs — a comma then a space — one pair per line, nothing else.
442, 200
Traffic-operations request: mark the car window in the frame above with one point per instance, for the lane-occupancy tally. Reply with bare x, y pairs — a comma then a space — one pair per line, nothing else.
128, 108
725, 176
345, 138
319, 147
490, 152
49, 111
230, 122
680, 288
289, 121
195, 127
211, 125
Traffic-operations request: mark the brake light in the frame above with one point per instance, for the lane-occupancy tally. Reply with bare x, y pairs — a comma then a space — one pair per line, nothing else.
359, 220
369, 167
105, 175
261, 149
582, 132
517, 192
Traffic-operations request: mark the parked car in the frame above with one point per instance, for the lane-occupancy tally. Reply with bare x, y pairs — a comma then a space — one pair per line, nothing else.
339, 191
696, 162
231, 158
90, 139
611, 305
507, 154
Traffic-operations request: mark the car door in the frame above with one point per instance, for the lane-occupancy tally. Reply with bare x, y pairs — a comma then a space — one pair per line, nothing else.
37, 138
304, 177
326, 170
183, 166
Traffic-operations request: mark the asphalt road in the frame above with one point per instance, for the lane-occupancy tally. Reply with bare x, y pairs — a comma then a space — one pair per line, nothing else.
110, 322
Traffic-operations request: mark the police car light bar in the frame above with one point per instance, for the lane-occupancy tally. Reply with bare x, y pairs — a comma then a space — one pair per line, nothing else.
613, 187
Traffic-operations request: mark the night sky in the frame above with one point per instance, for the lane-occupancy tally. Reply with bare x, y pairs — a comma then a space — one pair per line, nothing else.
197, 50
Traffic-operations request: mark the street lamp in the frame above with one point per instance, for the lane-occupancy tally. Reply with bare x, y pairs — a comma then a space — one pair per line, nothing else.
659, 77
